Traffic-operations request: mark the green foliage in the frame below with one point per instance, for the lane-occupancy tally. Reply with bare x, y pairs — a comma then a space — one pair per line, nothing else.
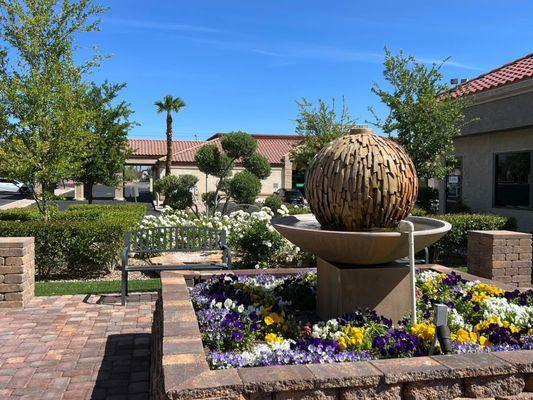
273, 202
256, 244
454, 243
422, 114
84, 241
169, 105
294, 210
427, 195
177, 190
211, 161
209, 198
44, 137
318, 127
244, 187
109, 124
257, 165
181, 196
94, 287
132, 174
238, 145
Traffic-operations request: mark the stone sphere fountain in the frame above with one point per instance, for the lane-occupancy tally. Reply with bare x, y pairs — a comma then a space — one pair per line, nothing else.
359, 188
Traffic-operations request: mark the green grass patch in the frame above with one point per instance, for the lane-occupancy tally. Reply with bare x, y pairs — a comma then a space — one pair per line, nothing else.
94, 287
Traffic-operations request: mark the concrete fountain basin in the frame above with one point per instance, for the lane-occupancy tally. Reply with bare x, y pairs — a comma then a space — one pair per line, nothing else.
357, 248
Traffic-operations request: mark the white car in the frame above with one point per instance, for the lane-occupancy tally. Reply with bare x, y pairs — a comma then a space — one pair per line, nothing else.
13, 186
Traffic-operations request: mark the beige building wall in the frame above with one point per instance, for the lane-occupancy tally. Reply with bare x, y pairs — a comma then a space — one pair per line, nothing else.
269, 185
477, 152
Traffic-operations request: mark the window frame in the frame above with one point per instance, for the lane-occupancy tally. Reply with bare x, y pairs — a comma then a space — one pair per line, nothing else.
495, 176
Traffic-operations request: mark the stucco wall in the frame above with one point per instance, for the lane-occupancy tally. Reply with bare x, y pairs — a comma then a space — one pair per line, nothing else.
477, 153
501, 114
268, 185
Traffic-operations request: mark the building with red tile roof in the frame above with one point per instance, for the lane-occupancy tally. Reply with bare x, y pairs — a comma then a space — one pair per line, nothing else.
275, 148
494, 172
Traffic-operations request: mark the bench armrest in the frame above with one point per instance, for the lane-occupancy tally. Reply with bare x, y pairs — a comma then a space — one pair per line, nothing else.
226, 255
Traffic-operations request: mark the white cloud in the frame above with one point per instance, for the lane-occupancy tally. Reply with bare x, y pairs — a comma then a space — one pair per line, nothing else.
151, 25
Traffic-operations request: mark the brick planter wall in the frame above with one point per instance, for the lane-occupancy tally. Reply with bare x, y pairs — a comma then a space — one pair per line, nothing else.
17, 271
182, 371
503, 256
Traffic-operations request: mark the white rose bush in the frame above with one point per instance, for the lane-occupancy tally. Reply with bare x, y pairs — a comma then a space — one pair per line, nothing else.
251, 236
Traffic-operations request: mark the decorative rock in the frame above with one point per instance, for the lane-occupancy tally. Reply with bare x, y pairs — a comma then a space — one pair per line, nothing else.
433, 390
490, 386
361, 181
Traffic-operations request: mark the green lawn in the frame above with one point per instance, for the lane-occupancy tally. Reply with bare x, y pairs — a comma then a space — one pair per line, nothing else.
94, 287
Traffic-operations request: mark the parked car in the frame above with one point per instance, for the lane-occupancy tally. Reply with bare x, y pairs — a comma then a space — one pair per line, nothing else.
13, 186
291, 196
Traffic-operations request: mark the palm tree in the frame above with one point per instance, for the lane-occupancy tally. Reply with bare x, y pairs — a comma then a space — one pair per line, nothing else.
169, 104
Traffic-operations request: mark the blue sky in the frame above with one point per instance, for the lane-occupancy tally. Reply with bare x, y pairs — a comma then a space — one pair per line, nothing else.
241, 65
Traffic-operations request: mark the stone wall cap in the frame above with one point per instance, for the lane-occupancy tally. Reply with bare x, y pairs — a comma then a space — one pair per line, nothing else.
475, 364
522, 359
277, 379
208, 384
16, 241
411, 369
503, 234
347, 374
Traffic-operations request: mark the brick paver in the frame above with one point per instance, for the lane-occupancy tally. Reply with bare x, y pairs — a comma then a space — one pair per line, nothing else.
76, 347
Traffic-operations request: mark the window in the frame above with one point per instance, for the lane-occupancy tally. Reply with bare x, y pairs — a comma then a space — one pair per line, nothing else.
512, 186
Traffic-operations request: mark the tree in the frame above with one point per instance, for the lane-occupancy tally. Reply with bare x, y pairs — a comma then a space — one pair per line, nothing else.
109, 124
424, 115
244, 187
42, 93
178, 191
238, 147
318, 127
169, 105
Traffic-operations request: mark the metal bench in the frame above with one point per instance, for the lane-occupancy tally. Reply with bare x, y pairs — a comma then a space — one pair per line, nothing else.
172, 240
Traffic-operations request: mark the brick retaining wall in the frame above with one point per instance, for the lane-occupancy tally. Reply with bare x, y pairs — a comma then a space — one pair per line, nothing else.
503, 256
184, 374
17, 271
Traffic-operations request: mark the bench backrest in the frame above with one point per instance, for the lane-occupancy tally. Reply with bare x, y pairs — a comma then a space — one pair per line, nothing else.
174, 239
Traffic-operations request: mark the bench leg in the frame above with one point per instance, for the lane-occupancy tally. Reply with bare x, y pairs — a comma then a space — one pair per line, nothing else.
124, 291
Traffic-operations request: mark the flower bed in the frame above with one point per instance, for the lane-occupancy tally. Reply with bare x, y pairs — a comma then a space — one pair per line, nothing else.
266, 320
251, 236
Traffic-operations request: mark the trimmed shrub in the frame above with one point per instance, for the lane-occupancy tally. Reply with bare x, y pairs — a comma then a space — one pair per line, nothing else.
454, 243
84, 241
295, 210
273, 202
244, 187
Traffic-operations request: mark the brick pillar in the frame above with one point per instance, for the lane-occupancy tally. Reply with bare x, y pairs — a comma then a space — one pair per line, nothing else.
17, 271
503, 256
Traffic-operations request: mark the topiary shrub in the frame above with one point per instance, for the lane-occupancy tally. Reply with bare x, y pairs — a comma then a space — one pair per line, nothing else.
244, 187
273, 202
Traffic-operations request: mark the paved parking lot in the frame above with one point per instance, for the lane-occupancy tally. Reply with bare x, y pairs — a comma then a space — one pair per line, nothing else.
7, 198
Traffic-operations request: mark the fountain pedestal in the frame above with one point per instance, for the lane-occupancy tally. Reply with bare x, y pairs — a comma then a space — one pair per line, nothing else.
342, 289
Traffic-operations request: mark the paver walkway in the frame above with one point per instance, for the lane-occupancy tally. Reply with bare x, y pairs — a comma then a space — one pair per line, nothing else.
76, 347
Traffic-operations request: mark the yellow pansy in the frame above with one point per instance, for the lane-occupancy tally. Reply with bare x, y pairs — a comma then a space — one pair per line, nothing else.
269, 320
483, 341
273, 338
423, 331
354, 336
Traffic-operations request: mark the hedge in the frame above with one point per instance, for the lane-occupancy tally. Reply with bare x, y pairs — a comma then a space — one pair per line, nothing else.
454, 243
84, 241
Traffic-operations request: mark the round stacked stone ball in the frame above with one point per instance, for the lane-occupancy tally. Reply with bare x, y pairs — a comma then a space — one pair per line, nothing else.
360, 182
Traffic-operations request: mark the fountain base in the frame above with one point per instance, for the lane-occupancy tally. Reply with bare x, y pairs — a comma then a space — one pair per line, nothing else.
342, 289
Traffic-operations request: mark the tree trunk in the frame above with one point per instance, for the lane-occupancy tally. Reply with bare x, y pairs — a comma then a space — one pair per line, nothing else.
89, 191
168, 164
